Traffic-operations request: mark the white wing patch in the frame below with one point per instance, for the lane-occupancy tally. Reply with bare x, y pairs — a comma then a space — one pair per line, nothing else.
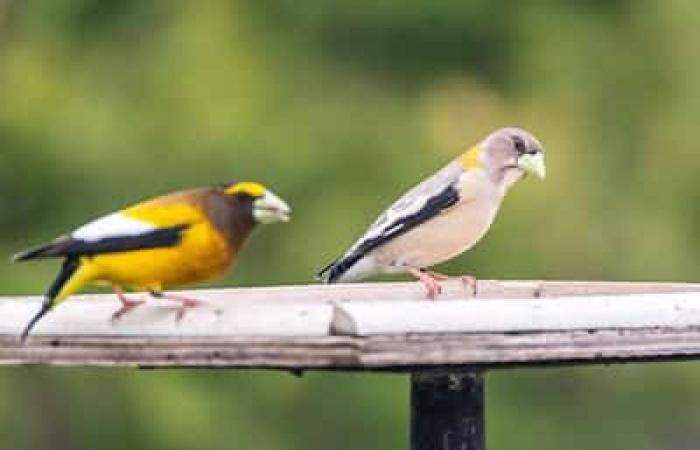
390, 220
113, 225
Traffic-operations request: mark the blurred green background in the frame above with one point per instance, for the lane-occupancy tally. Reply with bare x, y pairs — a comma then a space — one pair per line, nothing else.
339, 106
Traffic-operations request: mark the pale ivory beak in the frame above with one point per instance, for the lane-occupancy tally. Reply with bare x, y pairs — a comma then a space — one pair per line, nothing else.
533, 163
271, 209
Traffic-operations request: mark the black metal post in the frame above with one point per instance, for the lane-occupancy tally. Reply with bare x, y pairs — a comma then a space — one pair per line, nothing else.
447, 411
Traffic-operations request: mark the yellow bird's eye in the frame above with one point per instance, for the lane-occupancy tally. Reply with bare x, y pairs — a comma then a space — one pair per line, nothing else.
252, 189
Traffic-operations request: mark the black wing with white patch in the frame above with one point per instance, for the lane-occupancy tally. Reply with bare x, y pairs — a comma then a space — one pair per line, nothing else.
403, 216
72, 247
400, 225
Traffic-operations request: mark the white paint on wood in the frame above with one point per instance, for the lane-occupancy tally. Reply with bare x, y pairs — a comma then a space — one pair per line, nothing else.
673, 310
288, 327
308, 311
92, 316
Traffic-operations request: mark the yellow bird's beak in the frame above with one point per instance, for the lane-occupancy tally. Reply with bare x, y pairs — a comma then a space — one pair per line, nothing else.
533, 163
270, 209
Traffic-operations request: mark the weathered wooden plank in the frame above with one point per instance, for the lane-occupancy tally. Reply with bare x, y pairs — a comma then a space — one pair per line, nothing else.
545, 289
396, 353
288, 328
275, 311
270, 311
91, 316
675, 310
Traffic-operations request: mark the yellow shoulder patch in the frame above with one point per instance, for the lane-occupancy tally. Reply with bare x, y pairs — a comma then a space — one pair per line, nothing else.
246, 187
470, 158
165, 215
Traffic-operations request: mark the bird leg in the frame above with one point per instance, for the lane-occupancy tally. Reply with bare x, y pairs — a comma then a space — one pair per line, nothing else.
469, 281
185, 302
437, 275
432, 287
127, 305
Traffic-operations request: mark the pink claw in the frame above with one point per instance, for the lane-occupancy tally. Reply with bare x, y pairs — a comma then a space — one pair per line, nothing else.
185, 303
127, 305
432, 286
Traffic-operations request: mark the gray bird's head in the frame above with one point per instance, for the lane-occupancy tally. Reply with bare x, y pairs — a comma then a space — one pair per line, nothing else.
507, 155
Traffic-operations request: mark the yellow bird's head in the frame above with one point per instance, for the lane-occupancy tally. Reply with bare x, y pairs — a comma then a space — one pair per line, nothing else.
265, 206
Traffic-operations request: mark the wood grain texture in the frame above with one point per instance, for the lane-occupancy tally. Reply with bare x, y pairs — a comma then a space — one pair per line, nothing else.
396, 353
79, 332
278, 311
669, 310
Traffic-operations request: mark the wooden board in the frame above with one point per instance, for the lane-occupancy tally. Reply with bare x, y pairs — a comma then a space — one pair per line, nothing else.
290, 327
674, 310
389, 353
292, 310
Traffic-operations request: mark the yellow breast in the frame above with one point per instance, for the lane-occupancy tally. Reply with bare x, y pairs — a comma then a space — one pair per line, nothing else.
202, 254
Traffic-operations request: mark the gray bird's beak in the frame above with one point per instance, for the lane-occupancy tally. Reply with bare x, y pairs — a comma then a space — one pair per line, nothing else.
533, 163
270, 209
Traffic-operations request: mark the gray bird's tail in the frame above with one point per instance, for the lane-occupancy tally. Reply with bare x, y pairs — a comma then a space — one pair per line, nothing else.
339, 270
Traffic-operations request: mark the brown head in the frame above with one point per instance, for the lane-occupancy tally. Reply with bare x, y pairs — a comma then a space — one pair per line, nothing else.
236, 208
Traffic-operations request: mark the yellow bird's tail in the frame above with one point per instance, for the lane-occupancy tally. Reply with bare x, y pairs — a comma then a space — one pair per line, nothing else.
73, 275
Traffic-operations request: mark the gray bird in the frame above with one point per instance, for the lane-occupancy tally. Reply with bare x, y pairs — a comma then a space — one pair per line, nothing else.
443, 216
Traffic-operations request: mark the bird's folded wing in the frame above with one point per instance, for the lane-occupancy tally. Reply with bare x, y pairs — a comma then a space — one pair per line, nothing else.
151, 224
145, 226
420, 204
156, 238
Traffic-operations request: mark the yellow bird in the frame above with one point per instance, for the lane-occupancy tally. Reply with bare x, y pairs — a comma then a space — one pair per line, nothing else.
180, 238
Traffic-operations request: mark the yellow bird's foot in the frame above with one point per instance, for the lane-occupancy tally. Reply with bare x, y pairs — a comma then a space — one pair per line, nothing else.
184, 306
127, 305
185, 303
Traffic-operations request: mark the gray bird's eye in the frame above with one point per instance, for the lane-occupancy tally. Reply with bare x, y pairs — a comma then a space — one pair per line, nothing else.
519, 144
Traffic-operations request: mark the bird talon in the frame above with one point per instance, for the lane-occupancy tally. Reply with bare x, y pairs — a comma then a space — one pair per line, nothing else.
432, 286
127, 305
434, 290
470, 283
184, 306
437, 275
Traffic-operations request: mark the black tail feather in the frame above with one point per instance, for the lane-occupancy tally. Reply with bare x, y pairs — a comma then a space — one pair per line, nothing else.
70, 265
324, 274
45, 251
45, 307
332, 272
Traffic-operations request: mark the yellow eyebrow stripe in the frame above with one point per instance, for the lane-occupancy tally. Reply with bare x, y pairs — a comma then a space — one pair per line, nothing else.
470, 158
246, 187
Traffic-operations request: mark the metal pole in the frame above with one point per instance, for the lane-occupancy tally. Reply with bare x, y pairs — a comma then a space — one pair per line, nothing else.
447, 411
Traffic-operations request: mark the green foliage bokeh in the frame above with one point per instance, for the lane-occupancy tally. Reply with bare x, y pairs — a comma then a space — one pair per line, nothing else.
339, 107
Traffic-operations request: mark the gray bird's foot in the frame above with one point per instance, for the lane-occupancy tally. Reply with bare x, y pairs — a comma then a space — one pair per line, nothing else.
469, 281
430, 282
436, 275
